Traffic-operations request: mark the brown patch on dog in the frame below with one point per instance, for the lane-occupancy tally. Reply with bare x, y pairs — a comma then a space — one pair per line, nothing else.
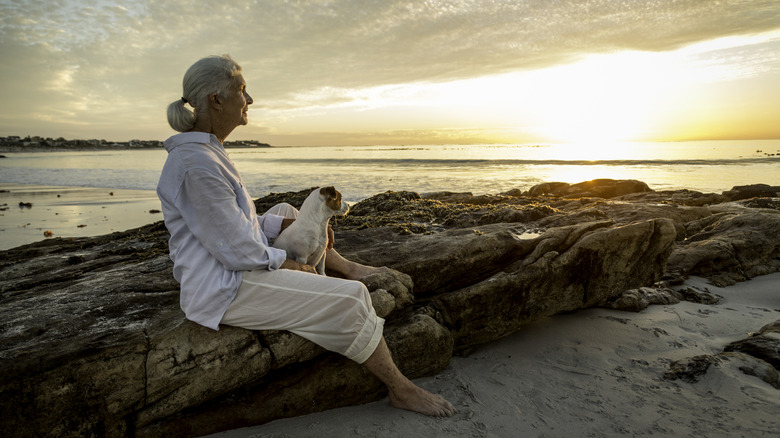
333, 197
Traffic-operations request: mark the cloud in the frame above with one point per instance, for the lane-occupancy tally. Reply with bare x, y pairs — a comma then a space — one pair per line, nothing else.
102, 60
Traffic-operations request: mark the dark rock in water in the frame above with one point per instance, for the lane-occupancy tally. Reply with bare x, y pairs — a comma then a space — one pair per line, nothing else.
773, 203
678, 197
752, 191
602, 188
93, 341
549, 188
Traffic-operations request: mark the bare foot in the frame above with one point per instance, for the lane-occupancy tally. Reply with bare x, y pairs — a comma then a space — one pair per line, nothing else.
361, 271
350, 270
416, 399
403, 393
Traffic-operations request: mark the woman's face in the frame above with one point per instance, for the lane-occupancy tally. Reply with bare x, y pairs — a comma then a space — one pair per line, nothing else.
237, 103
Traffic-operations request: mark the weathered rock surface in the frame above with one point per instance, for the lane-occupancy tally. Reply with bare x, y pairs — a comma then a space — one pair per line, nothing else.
636, 300
602, 188
764, 345
92, 340
734, 245
752, 191
757, 355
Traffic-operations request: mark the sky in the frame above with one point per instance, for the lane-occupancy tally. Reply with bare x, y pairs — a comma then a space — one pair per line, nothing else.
400, 72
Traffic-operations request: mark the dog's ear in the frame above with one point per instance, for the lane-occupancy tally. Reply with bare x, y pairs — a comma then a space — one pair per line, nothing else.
332, 197
329, 192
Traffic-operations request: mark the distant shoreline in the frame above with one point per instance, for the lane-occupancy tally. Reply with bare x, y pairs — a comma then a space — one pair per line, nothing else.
42, 149
13, 144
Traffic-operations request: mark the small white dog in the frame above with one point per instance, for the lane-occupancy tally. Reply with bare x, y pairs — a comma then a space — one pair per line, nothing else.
305, 239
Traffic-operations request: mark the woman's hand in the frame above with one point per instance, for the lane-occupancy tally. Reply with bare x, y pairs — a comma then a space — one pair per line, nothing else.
295, 266
286, 222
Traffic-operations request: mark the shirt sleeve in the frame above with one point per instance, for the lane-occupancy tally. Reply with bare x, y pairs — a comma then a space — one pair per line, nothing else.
271, 225
209, 207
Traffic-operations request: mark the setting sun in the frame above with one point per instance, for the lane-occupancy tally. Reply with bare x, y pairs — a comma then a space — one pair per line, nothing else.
604, 98
597, 100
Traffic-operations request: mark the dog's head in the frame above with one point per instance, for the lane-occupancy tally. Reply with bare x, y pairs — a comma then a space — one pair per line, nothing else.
332, 198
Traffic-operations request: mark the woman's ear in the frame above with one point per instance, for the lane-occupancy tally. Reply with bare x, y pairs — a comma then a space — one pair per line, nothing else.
215, 102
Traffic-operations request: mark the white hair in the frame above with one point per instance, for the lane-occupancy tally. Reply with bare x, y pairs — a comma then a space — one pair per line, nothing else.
213, 74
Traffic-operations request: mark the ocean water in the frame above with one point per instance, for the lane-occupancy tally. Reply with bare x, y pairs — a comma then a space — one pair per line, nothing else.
362, 171
75, 194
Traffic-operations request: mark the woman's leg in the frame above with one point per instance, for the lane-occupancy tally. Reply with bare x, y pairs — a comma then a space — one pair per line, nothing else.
335, 314
351, 270
403, 393
331, 312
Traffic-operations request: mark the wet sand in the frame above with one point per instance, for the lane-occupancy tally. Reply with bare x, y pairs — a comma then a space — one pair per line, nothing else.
70, 212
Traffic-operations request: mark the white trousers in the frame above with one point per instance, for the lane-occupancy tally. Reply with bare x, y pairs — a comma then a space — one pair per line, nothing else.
331, 312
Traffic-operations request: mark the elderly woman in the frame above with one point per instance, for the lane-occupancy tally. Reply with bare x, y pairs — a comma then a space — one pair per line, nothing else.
229, 273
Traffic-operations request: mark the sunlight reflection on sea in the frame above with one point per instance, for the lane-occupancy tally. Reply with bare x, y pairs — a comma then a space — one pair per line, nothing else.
357, 171
362, 171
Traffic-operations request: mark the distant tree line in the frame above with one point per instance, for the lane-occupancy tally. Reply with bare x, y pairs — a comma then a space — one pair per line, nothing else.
30, 143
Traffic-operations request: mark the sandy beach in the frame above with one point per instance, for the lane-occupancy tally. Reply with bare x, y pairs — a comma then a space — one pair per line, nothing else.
594, 372
28, 211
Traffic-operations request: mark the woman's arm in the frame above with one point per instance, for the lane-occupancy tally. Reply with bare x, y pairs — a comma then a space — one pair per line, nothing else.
208, 205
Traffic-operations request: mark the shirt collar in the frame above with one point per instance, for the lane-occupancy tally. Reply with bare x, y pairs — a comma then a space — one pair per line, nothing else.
191, 137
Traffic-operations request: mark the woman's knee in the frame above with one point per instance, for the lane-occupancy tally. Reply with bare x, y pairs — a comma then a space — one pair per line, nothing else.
355, 295
359, 290
283, 209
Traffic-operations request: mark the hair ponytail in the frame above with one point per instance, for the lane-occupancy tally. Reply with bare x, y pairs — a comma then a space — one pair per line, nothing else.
180, 118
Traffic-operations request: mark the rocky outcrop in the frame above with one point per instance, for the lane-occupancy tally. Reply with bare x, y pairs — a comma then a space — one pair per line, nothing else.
758, 355
93, 341
752, 191
602, 188
636, 300
734, 244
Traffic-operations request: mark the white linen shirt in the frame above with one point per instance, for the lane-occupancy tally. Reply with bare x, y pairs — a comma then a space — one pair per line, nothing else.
215, 230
